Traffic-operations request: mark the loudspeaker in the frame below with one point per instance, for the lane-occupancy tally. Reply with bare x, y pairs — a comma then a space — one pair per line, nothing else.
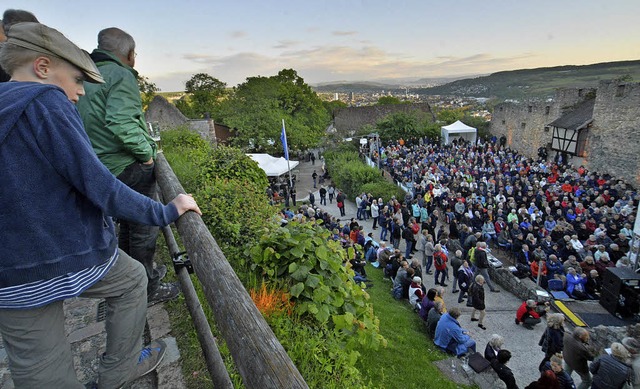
609, 301
617, 278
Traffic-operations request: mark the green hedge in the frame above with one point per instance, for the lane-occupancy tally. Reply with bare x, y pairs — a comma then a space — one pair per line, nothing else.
354, 177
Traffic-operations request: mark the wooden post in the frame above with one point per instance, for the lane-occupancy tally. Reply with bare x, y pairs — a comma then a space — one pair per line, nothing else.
260, 358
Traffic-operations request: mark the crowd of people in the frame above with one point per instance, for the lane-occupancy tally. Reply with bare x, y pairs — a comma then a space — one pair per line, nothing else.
561, 224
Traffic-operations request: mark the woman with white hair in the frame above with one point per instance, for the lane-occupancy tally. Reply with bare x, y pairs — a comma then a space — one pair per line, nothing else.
495, 344
612, 370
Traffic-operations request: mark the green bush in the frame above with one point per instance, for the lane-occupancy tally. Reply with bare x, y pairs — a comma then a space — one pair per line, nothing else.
354, 177
231, 163
317, 353
305, 259
186, 151
384, 190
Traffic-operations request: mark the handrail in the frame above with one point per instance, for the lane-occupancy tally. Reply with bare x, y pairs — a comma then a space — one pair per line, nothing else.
260, 358
212, 357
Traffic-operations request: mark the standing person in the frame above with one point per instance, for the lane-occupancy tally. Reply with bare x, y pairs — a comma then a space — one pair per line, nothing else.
323, 195
340, 198
331, 192
440, 261
58, 194
465, 278
552, 339
375, 213
482, 264
476, 292
114, 120
384, 225
456, 262
314, 176
577, 352
293, 192
312, 199
612, 371
564, 379
429, 250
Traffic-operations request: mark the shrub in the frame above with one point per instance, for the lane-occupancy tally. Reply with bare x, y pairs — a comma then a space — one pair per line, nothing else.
186, 151
304, 258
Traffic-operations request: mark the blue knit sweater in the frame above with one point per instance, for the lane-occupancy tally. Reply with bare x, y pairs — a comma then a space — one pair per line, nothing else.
55, 195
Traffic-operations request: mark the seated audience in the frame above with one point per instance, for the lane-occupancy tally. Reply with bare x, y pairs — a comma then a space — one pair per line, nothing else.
451, 337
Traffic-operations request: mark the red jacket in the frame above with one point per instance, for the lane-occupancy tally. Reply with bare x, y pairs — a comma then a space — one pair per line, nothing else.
443, 258
525, 311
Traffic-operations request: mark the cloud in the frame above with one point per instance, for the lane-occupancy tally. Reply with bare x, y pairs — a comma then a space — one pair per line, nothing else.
325, 63
285, 44
238, 34
343, 33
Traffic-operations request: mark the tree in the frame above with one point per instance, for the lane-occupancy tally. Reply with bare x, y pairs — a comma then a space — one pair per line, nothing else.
147, 90
205, 92
256, 108
389, 100
449, 116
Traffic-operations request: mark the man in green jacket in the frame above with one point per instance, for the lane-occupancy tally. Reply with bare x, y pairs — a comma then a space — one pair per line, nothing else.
114, 120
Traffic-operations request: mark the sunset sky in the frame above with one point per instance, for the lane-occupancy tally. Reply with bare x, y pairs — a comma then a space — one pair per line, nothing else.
352, 40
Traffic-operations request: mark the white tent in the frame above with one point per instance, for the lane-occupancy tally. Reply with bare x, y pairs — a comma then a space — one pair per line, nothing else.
458, 129
273, 166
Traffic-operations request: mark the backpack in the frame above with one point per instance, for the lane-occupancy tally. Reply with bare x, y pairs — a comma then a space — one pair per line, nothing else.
471, 255
438, 259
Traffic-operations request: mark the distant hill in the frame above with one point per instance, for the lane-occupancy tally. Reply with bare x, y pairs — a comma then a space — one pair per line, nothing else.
536, 83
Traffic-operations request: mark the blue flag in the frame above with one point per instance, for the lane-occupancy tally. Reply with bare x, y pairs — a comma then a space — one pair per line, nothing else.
283, 138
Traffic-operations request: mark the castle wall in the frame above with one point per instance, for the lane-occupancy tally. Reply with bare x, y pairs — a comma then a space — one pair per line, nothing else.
613, 139
614, 142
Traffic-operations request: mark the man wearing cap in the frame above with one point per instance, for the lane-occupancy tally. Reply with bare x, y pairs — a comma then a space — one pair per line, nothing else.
58, 239
9, 18
113, 118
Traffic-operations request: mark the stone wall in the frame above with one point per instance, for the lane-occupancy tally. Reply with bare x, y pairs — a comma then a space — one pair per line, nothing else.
166, 114
601, 337
351, 119
524, 289
613, 139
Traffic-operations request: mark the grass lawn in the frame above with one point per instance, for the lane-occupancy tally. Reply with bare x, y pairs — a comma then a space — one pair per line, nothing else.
406, 362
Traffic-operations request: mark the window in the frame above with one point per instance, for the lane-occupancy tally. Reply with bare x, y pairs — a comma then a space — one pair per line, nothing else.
523, 125
547, 109
530, 108
501, 109
620, 91
580, 92
504, 122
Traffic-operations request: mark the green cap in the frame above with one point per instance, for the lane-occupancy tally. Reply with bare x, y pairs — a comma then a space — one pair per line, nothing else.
46, 40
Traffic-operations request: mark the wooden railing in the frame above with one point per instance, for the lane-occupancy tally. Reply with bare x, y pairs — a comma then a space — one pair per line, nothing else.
258, 355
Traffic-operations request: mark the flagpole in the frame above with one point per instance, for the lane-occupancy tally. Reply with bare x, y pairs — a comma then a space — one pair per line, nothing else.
286, 152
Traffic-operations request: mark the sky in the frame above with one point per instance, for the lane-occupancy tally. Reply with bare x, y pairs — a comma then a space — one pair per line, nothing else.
350, 40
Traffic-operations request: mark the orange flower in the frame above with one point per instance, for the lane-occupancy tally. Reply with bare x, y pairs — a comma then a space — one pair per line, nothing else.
271, 301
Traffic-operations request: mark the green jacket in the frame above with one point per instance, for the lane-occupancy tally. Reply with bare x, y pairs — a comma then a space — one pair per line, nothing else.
113, 117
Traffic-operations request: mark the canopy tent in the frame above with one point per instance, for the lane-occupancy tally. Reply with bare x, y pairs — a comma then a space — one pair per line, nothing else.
458, 129
273, 166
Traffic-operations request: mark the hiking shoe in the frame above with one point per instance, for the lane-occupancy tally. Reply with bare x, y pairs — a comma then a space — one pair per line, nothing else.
164, 292
150, 358
162, 271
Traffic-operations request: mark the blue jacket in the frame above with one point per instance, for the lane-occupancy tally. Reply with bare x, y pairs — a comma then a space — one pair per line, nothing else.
56, 196
449, 331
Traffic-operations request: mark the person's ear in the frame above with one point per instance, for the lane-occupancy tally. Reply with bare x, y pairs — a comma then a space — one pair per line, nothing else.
42, 67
